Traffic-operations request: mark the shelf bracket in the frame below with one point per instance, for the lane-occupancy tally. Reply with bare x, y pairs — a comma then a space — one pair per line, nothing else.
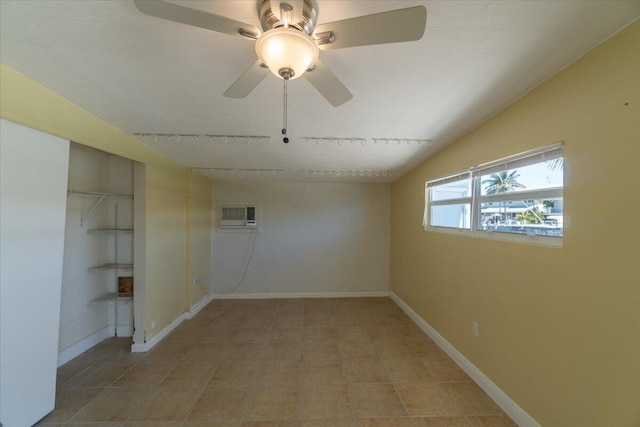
90, 211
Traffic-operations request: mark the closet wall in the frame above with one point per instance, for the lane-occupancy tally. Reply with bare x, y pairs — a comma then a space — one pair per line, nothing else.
33, 183
84, 321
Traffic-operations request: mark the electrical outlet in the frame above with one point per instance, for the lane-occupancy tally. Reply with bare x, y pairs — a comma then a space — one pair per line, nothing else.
474, 329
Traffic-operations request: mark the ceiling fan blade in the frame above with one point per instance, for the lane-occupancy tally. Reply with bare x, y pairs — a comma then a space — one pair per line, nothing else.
247, 81
400, 25
196, 18
323, 79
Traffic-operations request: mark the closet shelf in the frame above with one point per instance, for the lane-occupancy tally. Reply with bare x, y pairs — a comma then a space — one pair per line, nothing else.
110, 297
110, 231
99, 194
107, 267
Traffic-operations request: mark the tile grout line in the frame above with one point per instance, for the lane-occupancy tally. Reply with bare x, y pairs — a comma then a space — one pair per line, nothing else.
254, 378
195, 401
300, 391
101, 393
79, 373
354, 415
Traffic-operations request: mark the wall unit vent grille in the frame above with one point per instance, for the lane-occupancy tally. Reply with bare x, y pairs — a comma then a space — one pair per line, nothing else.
237, 217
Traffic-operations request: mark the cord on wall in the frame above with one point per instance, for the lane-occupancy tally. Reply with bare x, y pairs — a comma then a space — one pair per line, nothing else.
115, 273
246, 267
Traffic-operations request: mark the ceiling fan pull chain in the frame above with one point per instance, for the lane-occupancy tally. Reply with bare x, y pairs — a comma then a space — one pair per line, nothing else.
284, 114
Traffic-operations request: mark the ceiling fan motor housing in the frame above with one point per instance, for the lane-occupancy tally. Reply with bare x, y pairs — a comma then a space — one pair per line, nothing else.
271, 19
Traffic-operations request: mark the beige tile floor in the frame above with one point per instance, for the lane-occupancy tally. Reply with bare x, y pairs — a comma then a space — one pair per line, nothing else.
290, 362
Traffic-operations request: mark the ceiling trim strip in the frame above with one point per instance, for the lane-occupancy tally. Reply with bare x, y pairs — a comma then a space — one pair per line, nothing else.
307, 172
177, 137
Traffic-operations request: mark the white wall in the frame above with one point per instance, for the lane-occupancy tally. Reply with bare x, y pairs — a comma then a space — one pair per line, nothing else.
87, 172
82, 324
314, 238
32, 209
200, 227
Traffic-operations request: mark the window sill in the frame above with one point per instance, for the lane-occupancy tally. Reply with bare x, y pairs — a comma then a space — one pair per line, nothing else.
546, 241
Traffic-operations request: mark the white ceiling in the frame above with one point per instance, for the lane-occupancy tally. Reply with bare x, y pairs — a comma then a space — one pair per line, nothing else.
149, 76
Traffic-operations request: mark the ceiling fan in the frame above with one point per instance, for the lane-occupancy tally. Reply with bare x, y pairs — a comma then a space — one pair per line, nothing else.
289, 42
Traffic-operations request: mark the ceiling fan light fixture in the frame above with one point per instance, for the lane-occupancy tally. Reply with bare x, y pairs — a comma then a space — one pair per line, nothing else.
287, 49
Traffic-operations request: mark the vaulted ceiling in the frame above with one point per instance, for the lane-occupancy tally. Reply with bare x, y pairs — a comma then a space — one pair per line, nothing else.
164, 81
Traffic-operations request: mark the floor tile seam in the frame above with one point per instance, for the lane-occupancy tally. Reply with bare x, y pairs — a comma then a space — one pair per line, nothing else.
457, 382
241, 416
210, 376
79, 410
278, 419
90, 364
300, 385
380, 355
485, 414
71, 420
370, 383
139, 405
407, 413
214, 363
404, 404
82, 387
174, 364
97, 423
464, 417
346, 385
193, 405
471, 424
79, 373
457, 414
117, 378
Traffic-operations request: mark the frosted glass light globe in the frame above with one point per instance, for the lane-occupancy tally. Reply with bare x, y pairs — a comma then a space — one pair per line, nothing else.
287, 48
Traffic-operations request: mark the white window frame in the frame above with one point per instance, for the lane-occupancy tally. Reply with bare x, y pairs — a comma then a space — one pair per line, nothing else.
476, 199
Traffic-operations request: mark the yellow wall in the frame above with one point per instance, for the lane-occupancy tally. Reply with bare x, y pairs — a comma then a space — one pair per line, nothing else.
26, 102
200, 223
559, 328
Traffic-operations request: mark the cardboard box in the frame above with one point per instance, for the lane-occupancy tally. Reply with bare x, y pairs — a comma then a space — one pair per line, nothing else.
125, 286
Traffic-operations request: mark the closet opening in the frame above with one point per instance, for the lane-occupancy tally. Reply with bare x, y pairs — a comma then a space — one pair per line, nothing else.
101, 277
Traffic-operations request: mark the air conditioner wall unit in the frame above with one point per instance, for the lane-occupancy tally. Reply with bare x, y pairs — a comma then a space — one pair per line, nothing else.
238, 217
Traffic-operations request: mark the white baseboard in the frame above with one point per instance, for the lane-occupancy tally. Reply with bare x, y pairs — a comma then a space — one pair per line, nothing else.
304, 295
83, 345
195, 309
155, 339
517, 414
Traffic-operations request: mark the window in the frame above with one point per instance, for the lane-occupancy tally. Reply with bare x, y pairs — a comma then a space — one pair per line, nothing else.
450, 202
519, 197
